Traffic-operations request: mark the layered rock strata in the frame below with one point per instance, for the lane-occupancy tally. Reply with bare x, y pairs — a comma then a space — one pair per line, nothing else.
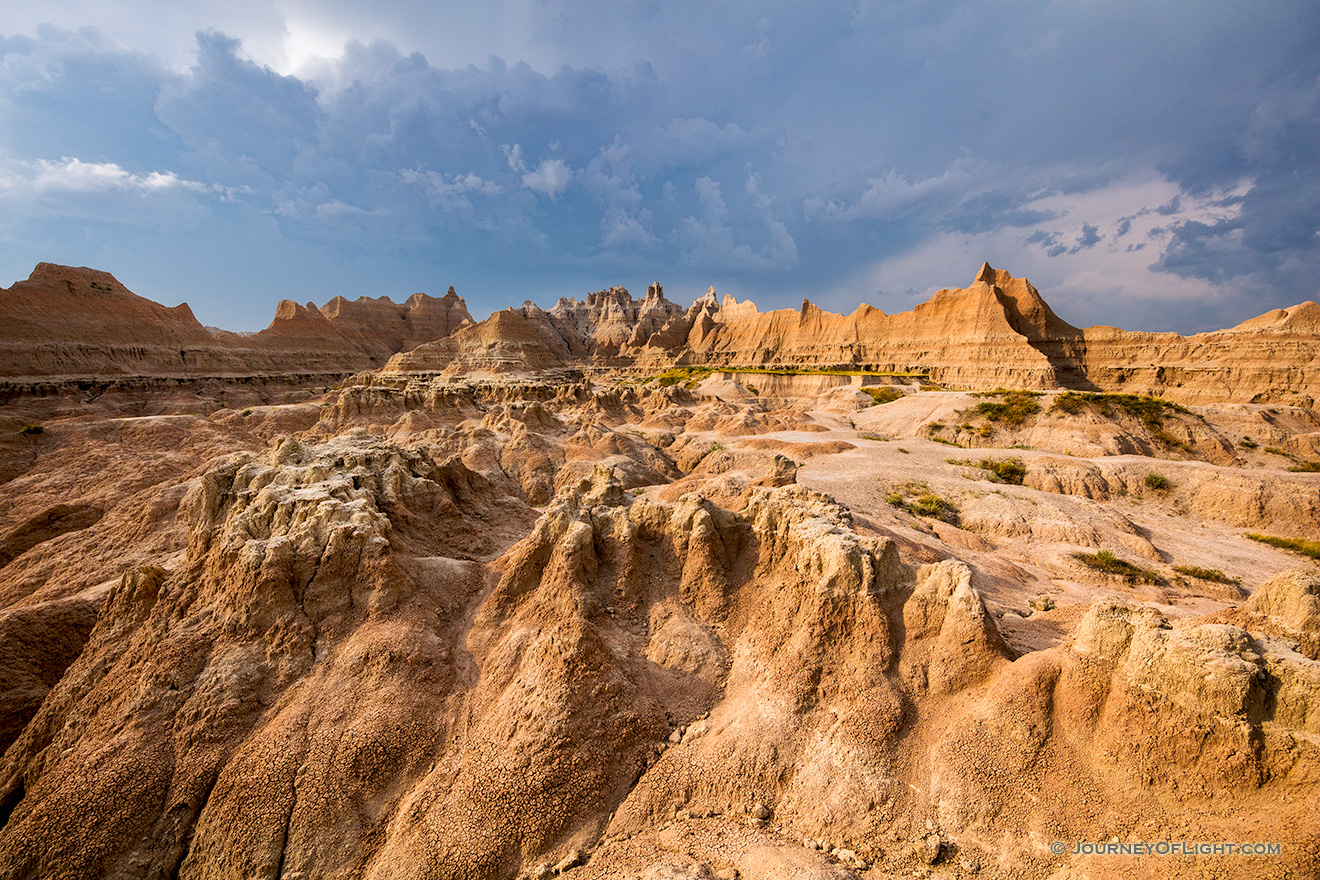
64, 322
344, 676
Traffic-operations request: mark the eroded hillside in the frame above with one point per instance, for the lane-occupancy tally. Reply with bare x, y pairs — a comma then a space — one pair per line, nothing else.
710, 623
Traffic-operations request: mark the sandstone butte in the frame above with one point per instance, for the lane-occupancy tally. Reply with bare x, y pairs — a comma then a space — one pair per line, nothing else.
622, 589
65, 323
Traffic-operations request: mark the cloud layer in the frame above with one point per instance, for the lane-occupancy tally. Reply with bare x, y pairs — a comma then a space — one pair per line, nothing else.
1149, 168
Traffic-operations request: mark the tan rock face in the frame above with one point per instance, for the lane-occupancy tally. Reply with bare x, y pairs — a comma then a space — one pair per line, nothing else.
67, 322
500, 612
997, 332
341, 677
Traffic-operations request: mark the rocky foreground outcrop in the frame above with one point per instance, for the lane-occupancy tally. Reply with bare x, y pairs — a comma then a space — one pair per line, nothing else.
344, 676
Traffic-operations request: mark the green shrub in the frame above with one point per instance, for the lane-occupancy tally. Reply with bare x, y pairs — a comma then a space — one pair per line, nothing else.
1008, 470
1297, 545
935, 507
1306, 467
1107, 562
1149, 410
1013, 407
882, 394
1158, 482
1004, 470
32, 429
926, 502
1248, 443
1274, 450
1206, 574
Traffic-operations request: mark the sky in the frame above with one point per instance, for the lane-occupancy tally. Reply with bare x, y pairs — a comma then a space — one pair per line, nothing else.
1151, 165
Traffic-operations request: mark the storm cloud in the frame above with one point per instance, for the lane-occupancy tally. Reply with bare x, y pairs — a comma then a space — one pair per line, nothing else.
1156, 162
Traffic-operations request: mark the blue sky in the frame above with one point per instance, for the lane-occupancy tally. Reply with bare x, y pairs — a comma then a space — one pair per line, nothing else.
1150, 165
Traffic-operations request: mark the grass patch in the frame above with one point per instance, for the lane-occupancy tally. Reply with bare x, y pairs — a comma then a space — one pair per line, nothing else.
1274, 450
1004, 470
946, 442
691, 375
1150, 411
1297, 545
882, 394
1158, 482
924, 503
931, 505
1248, 443
904, 451
674, 375
32, 429
877, 437
1206, 574
1012, 408
1105, 561
1306, 467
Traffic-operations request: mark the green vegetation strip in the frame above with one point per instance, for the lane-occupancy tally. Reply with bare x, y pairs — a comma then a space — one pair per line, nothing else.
1012, 408
1003, 470
1107, 562
674, 375
1297, 545
882, 394
1206, 574
926, 503
1150, 410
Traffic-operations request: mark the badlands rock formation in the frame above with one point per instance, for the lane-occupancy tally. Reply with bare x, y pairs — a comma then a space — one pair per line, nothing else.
81, 323
998, 332
515, 606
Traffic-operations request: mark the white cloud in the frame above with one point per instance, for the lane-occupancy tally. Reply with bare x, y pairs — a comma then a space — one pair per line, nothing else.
710, 243
620, 231
550, 178
72, 175
450, 191
1085, 285
892, 195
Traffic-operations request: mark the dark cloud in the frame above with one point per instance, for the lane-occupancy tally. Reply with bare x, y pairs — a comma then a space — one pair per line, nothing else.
769, 148
989, 211
1088, 239
1272, 244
